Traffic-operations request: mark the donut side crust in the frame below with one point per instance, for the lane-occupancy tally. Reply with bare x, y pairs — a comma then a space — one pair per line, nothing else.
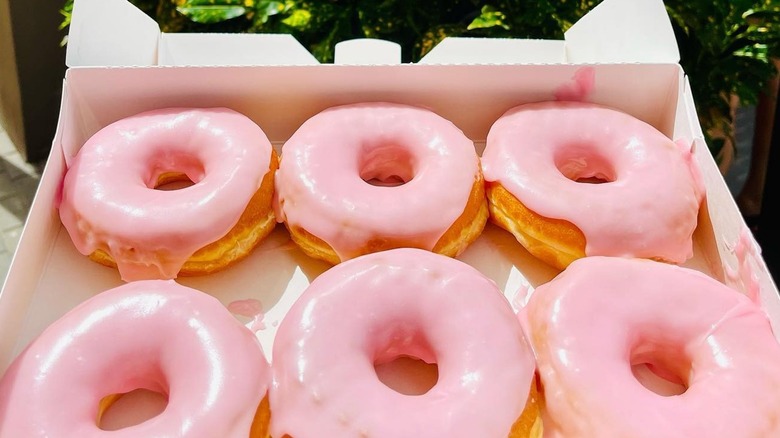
468, 227
554, 241
529, 423
453, 242
256, 222
260, 425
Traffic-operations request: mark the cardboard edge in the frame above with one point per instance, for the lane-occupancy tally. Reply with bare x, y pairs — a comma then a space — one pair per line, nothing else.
31, 255
69, 101
367, 51
235, 49
739, 256
623, 31
463, 50
674, 100
110, 32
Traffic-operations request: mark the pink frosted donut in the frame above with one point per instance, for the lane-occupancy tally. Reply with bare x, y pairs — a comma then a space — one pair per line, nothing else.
150, 334
361, 178
402, 302
572, 179
113, 213
602, 315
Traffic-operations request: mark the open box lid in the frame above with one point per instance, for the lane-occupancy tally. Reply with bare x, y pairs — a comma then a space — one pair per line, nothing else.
614, 31
116, 33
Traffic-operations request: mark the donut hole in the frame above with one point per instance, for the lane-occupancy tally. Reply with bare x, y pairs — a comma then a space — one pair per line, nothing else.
580, 164
386, 166
169, 181
662, 369
119, 411
408, 375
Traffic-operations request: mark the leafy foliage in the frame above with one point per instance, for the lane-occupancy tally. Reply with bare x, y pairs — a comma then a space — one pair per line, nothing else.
726, 46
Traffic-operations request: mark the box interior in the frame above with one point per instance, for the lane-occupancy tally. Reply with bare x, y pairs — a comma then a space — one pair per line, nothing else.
631, 56
54, 277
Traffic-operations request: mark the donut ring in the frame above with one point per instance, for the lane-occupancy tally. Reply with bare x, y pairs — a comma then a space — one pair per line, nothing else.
538, 157
113, 213
394, 303
150, 334
602, 315
334, 213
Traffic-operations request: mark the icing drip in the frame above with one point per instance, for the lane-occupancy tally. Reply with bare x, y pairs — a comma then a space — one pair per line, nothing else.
581, 86
537, 149
521, 297
109, 201
744, 277
250, 308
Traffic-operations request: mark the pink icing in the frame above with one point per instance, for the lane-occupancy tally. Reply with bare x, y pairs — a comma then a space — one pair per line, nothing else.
744, 277
151, 334
249, 308
582, 84
109, 201
378, 307
648, 208
321, 181
599, 316
521, 297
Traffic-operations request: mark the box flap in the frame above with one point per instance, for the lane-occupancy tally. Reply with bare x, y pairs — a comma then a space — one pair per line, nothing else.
623, 31
367, 51
614, 31
116, 33
197, 49
111, 33
458, 50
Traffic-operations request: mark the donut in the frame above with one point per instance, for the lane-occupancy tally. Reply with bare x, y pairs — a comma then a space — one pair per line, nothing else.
361, 178
112, 212
148, 334
573, 179
402, 302
603, 315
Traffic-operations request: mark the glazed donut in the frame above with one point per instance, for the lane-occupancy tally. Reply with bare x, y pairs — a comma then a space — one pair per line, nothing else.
361, 178
113, 213
603, 315
402, 302
642, 200
149, 334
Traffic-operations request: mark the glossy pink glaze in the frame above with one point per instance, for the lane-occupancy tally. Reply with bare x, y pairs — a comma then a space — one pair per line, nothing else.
319, 184
249, 308
109, 201
150, 334
588, 323
582, 83
377, 307
521, 297
650, 207
744, 277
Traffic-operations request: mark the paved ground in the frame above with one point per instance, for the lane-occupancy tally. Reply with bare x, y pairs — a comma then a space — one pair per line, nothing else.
18, 183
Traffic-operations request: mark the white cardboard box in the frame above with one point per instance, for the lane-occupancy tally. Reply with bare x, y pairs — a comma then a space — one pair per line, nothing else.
628, 47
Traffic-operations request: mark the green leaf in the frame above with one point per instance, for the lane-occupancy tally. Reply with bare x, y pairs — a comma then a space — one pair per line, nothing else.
489, 17
211, 14
266, 9
299, 19
193, 3
762, 15
66, 12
